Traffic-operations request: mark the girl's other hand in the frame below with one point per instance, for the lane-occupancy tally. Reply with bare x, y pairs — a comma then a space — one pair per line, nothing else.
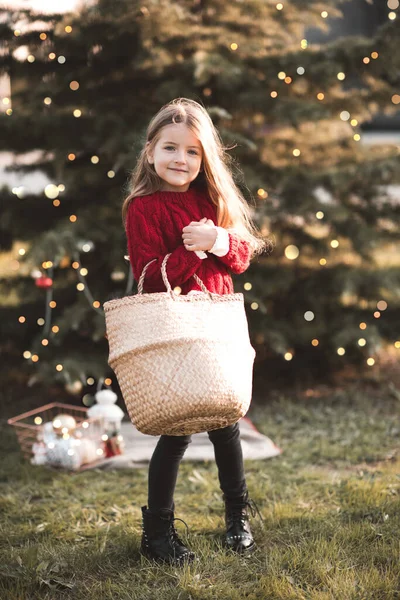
199, 235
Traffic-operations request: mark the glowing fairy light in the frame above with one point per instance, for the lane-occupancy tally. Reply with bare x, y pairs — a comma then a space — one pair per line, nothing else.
292, 252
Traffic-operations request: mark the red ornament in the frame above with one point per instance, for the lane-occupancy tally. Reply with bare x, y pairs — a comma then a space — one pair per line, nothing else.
44, 282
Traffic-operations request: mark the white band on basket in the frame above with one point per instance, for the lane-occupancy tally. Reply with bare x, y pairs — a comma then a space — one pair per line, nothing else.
165, 278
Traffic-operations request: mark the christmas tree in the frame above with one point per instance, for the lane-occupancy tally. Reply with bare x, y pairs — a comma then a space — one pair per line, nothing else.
83, 87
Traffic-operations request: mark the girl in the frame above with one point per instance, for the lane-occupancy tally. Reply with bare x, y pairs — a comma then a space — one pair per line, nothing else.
183, 201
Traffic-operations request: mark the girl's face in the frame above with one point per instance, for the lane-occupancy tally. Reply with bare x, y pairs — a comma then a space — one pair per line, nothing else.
176, 157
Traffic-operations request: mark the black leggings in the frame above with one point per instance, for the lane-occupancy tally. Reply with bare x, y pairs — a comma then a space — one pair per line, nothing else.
164, 465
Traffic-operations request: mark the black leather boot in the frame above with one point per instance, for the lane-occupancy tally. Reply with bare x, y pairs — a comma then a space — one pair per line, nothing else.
160, 540
238, 535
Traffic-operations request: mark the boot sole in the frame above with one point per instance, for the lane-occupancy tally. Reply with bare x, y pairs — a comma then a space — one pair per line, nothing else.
169, 561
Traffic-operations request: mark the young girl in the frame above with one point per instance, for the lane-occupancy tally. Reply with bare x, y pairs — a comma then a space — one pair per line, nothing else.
183, 201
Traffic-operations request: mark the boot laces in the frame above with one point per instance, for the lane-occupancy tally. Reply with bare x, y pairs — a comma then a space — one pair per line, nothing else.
238, 512
172, 532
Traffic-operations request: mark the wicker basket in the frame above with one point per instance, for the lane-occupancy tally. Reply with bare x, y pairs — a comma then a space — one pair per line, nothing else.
29, 425
184, 363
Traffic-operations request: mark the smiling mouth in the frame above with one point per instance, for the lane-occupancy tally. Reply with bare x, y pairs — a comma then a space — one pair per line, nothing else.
179, 170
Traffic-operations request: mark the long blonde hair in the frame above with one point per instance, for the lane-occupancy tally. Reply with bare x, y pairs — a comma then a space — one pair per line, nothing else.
233, 212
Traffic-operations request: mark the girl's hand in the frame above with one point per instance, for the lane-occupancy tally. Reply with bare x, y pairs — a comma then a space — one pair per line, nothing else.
199, 235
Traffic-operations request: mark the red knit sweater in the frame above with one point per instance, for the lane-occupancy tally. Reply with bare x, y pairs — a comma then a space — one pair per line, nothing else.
154, 228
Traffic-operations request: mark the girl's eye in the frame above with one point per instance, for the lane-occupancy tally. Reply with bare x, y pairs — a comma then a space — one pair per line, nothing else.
173, 148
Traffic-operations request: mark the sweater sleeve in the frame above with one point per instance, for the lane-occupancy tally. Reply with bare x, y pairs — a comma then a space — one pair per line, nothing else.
239, 254
144, 230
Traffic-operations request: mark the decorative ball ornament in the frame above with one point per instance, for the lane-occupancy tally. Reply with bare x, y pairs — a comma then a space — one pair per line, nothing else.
75, 387
43, 282
63, 424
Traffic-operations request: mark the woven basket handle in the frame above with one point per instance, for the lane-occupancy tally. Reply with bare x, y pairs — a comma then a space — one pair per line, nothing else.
165, 278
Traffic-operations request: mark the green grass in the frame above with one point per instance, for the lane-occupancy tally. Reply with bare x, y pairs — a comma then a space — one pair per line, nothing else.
330, 505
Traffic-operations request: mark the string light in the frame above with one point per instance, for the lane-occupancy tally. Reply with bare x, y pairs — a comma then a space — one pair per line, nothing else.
354, 122
363, 326
345, 115
374, 55
324, 14
45, 342
392, 16
320, 96
95, 160
47, 101
300, 70
356, 137
247, 286
74, 85
35, 358
254, 305
40, 321
73, 218
22, 319
315, 342
43, 36
68, 29
304, 44
279, 6
61, 60
292, 252
17, 32
296, 152
274, 94
362, 342
55, 329
52, 56
77, 113
319, 214
341, 351
370, 362
27, 354
393, 4
322, 261
366, 60
281, 75
51, 191
111, 174
30, 58
288, 356
341, 76
234, 46
396, 99
397, 344
334, 243
9, 112
71, 156
381, 305
309, 315
377, 314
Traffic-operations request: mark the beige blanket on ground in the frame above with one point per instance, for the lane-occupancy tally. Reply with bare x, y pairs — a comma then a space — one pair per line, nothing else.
139, 447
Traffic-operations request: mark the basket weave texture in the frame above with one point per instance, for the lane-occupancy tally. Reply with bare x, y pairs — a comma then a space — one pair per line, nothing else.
184, 363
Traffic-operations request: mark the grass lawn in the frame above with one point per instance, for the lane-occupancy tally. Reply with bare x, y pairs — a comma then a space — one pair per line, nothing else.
330, 504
